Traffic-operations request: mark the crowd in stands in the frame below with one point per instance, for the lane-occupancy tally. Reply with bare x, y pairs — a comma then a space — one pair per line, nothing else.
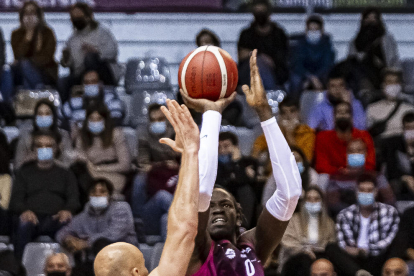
71, 175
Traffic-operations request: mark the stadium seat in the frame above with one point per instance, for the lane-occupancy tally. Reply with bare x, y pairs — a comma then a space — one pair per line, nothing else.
147, 74
246, 137
4, 239
26, 100
404, 205
308, 101
155, 256
35, 254
152, 239
147, 252
11, 133
408, 74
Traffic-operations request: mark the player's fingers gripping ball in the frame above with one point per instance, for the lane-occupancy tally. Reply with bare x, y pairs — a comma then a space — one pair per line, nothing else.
208, 72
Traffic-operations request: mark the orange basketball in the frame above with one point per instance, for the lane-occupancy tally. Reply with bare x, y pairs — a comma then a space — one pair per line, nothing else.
208, 72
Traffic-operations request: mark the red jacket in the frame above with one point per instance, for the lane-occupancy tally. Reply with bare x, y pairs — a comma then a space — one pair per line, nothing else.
330, 151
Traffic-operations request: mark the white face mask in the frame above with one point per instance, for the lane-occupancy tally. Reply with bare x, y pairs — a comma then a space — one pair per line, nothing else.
409, 135
313, 208
314, 36
392, 90
98, 202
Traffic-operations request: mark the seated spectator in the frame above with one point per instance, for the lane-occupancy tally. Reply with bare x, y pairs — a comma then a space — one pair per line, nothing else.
310, 230
296, 132
45, 118
5, 185
395, 267
34, 46
341, 186
373, 49
385, 117
398, 152
101, 223
322, 116
309, 176
331, 146
312, 59
237, 174
57, 264
272, 45
207, 37
322, 267
103, 149
91, 47
403, 246
91, 93
365, 233
44, 194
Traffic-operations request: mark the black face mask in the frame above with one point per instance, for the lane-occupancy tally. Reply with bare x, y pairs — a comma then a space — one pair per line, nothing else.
79, 23
261, 18
56, 273
334, 100
343, 124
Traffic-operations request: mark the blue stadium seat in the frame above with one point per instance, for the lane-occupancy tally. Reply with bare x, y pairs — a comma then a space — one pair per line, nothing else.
147, 252
408, 74
147, 74
11, 133
308, 101
155, 256
403, 205
35, 254
132, 140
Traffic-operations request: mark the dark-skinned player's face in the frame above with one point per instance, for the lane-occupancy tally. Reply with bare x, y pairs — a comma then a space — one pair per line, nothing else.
224, 218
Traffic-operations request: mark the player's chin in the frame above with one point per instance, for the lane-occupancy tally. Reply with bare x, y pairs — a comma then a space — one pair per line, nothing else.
220, 232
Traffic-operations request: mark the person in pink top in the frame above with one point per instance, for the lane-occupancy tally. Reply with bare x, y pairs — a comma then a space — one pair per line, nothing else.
220, 248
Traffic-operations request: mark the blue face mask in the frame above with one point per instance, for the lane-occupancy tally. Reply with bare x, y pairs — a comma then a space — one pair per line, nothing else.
313, 208
300, 167
224, 159
44, 121
158, 127
366, 199
356, 160
91, 90
96, 127
77, 102
44, 154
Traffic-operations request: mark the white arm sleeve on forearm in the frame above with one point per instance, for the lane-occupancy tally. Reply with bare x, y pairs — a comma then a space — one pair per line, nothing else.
285, 171
208, 157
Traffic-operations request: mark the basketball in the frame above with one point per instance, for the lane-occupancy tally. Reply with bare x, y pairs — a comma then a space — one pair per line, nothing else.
208, 72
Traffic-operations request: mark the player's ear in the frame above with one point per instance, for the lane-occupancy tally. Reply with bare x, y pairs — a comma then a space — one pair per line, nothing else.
135, 272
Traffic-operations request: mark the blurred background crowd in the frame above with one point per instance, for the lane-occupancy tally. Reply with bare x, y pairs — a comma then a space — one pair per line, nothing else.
81, 167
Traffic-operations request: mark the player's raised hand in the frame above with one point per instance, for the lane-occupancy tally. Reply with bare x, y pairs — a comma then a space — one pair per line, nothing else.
202, 105
256, 94
187, 135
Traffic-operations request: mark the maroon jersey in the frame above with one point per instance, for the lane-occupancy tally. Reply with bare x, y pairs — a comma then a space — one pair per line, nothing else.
225, 259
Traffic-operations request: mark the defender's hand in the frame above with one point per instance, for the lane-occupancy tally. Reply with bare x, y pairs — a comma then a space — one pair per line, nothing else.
187, 135
202, 105
256, 94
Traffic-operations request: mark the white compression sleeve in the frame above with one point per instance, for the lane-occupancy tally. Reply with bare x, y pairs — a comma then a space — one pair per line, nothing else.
208, 157
285, 171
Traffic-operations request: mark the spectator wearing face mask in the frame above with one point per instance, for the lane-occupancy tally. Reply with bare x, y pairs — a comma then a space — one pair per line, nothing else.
374, 49
385, 117
34, 46
57, 264
237, 174
398, 153
90, 93
312, 59
103, 150
102, 222
331, 146
44, 194
322, 115
91, 47
365, 232
341, 186
45, 118
296, 132
309, 231
272, 45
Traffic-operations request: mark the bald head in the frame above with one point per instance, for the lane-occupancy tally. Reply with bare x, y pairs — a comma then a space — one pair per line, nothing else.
395, 267
322, 267
121, 259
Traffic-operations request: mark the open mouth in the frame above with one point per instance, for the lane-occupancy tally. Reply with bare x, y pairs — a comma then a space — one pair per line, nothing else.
219, 221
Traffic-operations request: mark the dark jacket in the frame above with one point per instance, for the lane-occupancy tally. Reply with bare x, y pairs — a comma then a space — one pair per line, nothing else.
44, 192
